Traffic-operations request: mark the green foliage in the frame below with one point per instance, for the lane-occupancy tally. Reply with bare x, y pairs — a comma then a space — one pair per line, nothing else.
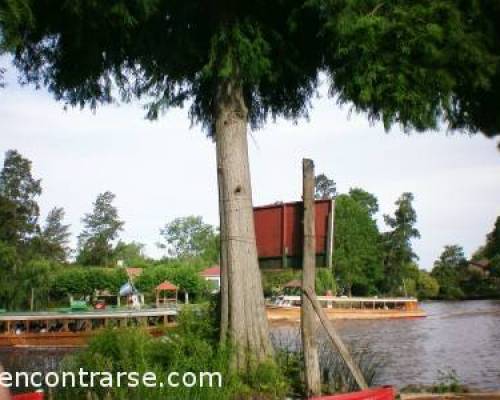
427, 286
358, 254
397, 243
18, 187
492, 246
183, 274
410, 63
449, 271
324, 187
132, 254
447, 382
190, 237
53, 241
83, 281
325, 281
190, 347
35, 282
367, 200
273, 281
415, 62
101, 227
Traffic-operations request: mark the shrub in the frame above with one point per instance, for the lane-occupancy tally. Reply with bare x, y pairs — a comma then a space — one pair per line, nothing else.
190, 347
184, 275
83, 281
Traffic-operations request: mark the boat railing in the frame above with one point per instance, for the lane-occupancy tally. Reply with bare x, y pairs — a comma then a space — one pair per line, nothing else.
340, 302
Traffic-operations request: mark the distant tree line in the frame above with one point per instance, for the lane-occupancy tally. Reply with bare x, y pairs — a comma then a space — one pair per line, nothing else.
40, 269
370, 262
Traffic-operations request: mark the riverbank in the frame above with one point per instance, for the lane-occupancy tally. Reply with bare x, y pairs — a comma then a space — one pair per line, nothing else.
459, 336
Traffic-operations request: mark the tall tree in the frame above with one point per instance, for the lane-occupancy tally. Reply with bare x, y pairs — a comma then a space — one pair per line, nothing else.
324, 188
358, 257
398, 247
132, 253
449, 271
9, 223
237, 63
18, 186
492, 247
366, 199
189, 237
54, 237
101, 227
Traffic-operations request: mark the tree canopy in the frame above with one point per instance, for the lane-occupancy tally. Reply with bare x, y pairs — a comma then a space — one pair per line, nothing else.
324, 187
397, 242
53, 241
412, 63
358, 257
190, 237
101, 228
19, 188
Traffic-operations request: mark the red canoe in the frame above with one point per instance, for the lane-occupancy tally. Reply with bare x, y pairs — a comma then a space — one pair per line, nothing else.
383, 393
28, 396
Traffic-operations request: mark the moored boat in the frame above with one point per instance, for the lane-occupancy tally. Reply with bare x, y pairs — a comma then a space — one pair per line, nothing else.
73, 329
287, 308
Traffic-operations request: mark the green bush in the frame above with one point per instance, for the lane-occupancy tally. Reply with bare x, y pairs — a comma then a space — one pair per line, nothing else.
191, 347
83, 281
184, 275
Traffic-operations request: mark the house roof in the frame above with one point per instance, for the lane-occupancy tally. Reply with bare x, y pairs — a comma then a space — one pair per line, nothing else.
166, 285
133, 272
214, 270
483, 263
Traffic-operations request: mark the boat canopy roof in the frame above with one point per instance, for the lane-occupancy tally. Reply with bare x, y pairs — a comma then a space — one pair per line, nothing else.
61, 315
337, 299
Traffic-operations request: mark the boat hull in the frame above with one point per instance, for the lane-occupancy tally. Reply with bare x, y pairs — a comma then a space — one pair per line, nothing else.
292, 314
59, 339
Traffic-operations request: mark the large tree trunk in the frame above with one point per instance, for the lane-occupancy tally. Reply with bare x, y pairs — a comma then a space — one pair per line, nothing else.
307, 314
243, 317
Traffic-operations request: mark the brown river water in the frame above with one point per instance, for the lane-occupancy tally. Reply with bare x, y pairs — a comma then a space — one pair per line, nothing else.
459, 336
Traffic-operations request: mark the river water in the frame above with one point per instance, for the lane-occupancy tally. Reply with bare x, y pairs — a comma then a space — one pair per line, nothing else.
459, 336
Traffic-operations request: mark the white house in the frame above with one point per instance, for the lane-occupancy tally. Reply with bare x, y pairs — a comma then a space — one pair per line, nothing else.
212, 275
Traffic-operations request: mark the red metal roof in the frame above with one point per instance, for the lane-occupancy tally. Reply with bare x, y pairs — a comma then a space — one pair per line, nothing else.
279, 227
166, 285
214, 270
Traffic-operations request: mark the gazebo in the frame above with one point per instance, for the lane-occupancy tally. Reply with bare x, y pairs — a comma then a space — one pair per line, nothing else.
166, 293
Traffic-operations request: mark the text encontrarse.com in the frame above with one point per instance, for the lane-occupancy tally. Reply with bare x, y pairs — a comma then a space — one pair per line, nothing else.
91, 379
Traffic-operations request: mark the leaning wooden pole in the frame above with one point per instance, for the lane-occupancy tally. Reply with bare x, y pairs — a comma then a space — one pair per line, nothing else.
335, 338
307, 317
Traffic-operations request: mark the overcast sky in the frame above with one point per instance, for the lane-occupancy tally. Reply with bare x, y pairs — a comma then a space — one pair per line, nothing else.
166, 169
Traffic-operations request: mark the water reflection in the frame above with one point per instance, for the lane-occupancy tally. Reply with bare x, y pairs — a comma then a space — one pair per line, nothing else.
463, 336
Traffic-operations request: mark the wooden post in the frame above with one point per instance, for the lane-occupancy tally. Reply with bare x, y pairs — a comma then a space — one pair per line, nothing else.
336, 339
308, 320
330, 235
284, 249
32, 299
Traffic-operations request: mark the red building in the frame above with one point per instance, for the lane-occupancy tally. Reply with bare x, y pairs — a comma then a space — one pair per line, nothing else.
279, 234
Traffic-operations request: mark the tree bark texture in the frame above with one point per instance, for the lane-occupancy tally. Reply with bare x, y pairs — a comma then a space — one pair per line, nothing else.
308, 317
243, 316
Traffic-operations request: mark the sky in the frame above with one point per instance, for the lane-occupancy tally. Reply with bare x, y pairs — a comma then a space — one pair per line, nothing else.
166, 169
